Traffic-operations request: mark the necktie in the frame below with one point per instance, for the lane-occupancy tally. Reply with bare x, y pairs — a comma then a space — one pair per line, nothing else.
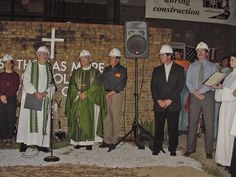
201, 75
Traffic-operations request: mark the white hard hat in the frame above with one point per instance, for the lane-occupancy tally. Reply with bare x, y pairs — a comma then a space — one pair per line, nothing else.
166, 49
7, 58
202, 45
42, 49
115, 53
85, 53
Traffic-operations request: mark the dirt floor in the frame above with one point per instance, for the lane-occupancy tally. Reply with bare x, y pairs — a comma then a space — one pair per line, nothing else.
69, 170
210, 169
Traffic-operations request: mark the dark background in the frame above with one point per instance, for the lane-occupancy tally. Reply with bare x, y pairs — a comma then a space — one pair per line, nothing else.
117, 12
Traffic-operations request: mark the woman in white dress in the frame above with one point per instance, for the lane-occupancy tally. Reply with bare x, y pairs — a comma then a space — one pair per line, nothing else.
224, 94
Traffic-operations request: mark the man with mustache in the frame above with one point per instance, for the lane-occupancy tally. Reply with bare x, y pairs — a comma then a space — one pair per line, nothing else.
201, 100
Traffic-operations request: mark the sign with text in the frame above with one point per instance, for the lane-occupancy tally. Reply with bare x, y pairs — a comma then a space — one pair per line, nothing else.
59, 70
210, 11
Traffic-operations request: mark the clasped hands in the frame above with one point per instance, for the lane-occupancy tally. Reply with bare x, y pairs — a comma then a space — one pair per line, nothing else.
3, 99
82, 95
198, 95
164, 103
109, 94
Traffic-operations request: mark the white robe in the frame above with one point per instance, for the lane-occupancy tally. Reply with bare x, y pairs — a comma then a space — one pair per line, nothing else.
23, 134
225, 140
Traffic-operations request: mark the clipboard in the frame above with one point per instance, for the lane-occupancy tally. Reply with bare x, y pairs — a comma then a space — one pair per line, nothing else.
31, 102
215, 78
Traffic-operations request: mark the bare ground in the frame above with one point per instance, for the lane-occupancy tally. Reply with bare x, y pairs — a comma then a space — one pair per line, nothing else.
210, 169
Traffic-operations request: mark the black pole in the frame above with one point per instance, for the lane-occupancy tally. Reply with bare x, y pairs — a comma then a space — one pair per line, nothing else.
136, 102
51, 158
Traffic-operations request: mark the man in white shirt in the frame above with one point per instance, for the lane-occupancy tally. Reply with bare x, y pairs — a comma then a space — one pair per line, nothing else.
167, 83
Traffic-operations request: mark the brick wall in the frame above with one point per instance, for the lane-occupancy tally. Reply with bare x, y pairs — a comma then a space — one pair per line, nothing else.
21, 39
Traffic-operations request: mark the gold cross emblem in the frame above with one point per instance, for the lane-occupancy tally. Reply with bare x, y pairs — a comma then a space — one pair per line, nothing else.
83, 85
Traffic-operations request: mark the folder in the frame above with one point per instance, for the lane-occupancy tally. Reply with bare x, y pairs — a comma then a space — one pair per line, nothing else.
215, 78
31, 102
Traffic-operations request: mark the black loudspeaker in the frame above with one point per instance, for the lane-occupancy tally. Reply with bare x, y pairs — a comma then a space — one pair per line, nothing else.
136, 39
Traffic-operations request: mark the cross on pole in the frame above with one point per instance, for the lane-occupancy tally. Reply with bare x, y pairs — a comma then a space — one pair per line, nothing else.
53, 40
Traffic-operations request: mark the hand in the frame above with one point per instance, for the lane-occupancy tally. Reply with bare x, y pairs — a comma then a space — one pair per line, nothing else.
39, 96
109, 94
44, 94
201, 97
3, 99
162, 103
168, 102
82, 96
234, 93
219, 86
196, 93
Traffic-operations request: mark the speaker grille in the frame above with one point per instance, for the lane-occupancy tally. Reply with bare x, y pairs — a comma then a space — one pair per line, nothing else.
137, 45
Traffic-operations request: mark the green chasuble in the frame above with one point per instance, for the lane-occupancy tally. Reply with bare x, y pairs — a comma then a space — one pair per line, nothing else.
80, 113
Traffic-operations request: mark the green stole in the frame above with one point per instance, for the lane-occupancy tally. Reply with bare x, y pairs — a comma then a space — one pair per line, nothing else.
33, 113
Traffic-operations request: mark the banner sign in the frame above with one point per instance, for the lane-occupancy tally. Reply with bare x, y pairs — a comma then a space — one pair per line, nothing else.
210, 11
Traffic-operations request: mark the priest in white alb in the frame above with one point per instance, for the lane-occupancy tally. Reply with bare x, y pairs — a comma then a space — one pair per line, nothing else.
34, 125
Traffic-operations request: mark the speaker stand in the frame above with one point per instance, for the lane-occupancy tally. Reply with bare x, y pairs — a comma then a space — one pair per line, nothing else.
136, 126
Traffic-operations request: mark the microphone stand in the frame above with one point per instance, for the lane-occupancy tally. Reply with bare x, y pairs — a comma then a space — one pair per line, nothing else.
51, 158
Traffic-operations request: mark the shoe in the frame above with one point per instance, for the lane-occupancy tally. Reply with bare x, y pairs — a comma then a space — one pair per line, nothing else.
155, 152
23, 147
141, 147
209, 156
187, 154
89, 148
78, 147
172, 153
43, 149
227, 168
103, 145
111, 147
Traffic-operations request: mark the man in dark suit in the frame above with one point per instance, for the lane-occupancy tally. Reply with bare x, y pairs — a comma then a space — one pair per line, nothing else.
167, 83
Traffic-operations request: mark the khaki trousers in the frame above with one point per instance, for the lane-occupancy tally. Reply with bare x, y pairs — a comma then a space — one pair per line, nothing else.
111, 122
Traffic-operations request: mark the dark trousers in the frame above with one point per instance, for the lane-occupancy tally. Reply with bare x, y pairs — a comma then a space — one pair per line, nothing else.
233, 161
172, 124
207, 106
7, 118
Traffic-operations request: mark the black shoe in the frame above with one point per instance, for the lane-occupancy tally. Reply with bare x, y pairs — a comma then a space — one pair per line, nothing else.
78, 147
187, 154
155, 152
111, 147
103, 145
172, 153
89, 148
43, 149
141, 147
227, 168
209, 156
23, 147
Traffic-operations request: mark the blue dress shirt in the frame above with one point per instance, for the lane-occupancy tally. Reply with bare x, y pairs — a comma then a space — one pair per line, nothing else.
193, 74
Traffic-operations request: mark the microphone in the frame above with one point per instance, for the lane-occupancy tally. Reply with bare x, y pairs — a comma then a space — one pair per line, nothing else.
51, 71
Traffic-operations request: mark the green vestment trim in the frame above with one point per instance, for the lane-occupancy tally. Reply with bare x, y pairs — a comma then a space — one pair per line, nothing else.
46, 102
